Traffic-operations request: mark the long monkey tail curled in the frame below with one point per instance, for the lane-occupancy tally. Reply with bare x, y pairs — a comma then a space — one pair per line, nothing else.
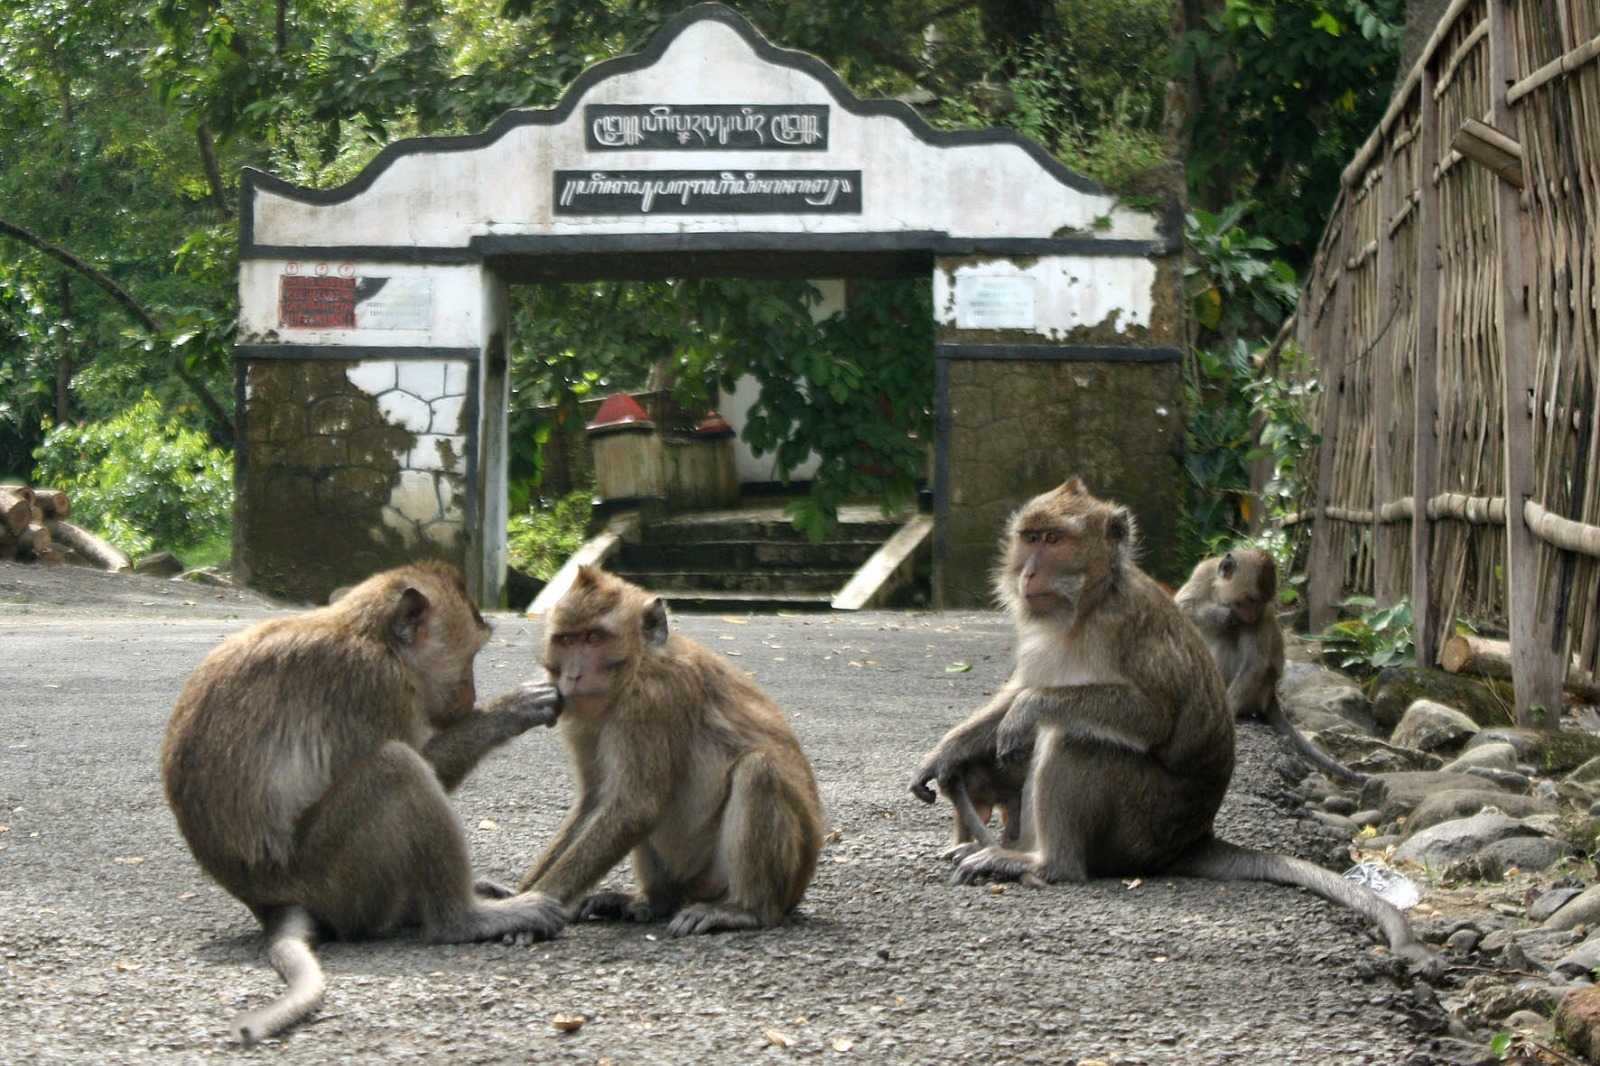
1218, 860
290, 932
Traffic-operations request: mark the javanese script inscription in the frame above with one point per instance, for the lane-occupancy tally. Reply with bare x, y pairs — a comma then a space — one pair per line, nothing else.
702, 127
707, 192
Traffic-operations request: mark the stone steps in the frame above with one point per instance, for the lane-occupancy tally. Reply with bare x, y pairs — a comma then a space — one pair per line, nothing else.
745, 554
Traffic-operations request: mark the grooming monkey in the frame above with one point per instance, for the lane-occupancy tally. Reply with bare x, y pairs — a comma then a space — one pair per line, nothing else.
1230, 599
681, 761
307, 762
1125, 715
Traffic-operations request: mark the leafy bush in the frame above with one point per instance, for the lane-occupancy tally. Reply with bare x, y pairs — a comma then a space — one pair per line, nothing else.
1376, 638
140, 479
542, 538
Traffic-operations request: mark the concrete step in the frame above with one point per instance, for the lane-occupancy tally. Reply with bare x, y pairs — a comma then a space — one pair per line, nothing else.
743, 602
747, 555
791, 580
766, 524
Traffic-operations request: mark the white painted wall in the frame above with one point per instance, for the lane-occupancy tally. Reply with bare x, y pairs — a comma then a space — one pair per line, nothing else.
735, 403
443, 199
1065, 293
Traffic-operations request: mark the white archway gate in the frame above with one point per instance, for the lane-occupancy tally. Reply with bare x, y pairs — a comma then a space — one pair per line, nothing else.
371, 368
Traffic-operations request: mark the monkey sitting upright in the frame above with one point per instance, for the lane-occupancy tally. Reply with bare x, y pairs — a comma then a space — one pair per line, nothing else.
307, 762
1121, 711
681, 761
1230, 600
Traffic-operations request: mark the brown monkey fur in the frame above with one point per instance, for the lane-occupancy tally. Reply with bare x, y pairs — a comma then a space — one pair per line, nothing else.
1231, 600
679, 760
1126, 718
307, 762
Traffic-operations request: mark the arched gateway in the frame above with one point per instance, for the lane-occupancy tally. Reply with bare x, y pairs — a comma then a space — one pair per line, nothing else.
371, 368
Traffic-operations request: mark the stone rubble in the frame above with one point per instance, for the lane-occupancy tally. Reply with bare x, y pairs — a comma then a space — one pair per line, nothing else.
1495, 824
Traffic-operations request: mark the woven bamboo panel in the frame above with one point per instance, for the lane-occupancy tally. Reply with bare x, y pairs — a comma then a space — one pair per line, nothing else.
1395, 357
1353, 364
1558, 125
1469, 559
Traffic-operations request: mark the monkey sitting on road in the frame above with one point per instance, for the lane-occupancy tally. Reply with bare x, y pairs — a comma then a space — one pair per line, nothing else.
307, 762
681, 761
1124, 713
1230, 600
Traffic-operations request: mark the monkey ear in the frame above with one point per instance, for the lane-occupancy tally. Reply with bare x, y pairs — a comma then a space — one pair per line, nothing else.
1073, 486
586, 576
410, 615
1119, 527
656, 627
1228, 565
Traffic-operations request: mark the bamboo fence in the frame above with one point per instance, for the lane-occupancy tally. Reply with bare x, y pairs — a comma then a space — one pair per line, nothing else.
1453, 313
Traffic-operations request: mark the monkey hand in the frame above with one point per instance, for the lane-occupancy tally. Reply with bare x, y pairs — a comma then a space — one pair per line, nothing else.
532, 703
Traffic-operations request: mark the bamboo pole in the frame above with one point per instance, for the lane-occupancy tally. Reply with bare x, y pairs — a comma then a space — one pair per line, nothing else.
1386, 349
1536, 667
1425, 440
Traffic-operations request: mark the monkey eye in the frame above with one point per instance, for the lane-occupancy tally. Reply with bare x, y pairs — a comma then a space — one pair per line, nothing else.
564, 640
1053, 536
594, 636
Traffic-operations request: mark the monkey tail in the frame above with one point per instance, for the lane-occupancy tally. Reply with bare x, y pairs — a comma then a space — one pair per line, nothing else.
1218, 860
1319, 758
290, 931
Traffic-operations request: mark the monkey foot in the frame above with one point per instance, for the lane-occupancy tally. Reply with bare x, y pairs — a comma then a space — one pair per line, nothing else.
997, 864
710, 918
958, 853
484, 888
615, 906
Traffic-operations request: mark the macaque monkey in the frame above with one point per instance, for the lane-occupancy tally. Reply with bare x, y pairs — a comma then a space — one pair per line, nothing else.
975, 792
307, 762
1122, 713
681, 762
1231, 600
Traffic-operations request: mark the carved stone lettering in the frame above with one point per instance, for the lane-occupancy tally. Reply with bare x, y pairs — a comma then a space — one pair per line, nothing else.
701, 127
707, 192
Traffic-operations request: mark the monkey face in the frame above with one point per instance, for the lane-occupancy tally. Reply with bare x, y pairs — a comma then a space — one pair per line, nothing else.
1058, 546
598, 632
1247, 583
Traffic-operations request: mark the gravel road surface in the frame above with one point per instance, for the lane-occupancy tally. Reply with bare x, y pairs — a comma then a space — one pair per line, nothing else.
114, 949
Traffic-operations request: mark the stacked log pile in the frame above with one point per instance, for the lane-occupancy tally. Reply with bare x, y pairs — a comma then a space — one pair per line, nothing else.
34, 528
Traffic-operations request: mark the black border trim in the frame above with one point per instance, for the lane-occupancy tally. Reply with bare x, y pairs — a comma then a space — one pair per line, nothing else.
491, 246
350, 353
1071, 353
941, 476
252, 179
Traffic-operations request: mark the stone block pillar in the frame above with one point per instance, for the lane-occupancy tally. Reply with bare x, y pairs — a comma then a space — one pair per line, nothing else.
1049, 367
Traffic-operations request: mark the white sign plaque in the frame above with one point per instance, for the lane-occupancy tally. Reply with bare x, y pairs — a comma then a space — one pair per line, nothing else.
404, 303
992, 302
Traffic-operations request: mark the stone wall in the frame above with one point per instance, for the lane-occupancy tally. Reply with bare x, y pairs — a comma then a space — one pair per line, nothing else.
349, 468
1019, 427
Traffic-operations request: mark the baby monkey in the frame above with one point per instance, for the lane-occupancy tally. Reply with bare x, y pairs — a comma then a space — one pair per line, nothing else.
1231, 599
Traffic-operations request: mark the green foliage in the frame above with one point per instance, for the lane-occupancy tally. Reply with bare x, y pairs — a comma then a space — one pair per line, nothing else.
1288, 90
542, 537
1234, 286
1283, 398
1240, 295
1375, 638
140, 479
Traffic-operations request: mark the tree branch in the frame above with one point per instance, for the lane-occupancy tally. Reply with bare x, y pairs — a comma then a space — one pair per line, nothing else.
222, 431
208, 159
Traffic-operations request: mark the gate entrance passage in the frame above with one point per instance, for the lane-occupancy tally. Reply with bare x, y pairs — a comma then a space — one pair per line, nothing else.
371, 369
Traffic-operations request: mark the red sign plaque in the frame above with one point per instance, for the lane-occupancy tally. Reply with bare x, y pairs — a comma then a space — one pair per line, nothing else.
306, 302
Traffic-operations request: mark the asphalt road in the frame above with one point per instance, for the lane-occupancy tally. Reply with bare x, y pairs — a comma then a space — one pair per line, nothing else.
114, 949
